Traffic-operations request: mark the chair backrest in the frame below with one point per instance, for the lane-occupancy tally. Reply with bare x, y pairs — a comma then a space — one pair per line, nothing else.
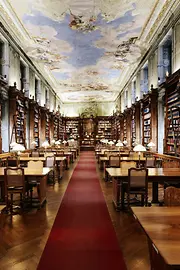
24, 155
12, 162
138, 177
34, 154
150, 163
14, 177
37, 165
41, 153
170, 164
172, 196
124, 154
50, 154
50, 161
127, 164
114, 161
60, 154
108, 153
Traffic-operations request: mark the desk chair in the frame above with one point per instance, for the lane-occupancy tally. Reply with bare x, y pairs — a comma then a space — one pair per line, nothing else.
34, 154
137, 185
14, 184
32, 181
12, 162
127, 164
51, 163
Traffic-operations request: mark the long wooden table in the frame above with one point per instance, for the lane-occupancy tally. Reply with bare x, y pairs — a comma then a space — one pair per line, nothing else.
40, 175
161, 225
60, 160
155, 175
105, 160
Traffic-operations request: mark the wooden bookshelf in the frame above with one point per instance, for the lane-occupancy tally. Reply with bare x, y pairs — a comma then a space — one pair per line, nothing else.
45, 124
17, 115
55, 127
34, 122
72, 127
61, 128
114, 128
149, 117
104, 127
133, 126
127, 126
172, 120
121, 127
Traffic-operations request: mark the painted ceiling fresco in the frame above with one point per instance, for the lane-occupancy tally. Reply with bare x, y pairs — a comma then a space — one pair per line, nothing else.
84, 43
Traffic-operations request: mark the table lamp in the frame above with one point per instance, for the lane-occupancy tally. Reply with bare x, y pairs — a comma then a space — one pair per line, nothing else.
45, 144
34, 143
64, 142
111, 143
12, 145
53, 142
18, 148
119, 144
57, 143
125, 142
139, 148
151, 145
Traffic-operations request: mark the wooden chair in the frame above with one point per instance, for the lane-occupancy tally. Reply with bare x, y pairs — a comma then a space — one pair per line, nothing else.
24, 155
51, 163
137, 185
114, 161
12, 162
150, 163
35, 154
59, 154
125, 154
172, 196
32, 181
171, 164
14, 184
127, 164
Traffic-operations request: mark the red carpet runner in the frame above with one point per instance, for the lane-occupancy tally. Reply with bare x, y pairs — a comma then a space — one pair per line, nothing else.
82, 237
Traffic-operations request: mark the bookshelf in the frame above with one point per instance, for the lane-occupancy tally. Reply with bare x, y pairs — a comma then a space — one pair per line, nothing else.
104, 127
114, 128
61, 129
34, 122
17, 114
133, 126
127, 117
172, 123
72, 127
124, 128
121, 127
45, 124
55, 127
149, 117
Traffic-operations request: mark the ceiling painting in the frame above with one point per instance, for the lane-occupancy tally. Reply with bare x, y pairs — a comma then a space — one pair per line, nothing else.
85, 44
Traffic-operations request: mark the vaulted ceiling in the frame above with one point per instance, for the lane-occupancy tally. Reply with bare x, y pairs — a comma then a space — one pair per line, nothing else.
84, 44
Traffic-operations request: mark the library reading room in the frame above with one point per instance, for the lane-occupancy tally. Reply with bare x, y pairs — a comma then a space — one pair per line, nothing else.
89, 134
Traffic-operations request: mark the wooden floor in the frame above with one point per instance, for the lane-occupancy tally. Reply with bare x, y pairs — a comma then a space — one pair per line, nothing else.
22, 238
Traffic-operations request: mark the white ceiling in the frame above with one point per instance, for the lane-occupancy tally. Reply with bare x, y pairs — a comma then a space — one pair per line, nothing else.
84, 44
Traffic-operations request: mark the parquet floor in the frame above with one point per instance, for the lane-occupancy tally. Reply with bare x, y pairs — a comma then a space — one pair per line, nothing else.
22, 238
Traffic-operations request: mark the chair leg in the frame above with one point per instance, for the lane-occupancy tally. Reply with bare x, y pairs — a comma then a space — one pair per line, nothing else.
142, 200
146, 199
11, 204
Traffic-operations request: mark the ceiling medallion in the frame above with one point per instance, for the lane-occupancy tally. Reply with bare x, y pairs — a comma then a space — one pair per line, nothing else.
78, 23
